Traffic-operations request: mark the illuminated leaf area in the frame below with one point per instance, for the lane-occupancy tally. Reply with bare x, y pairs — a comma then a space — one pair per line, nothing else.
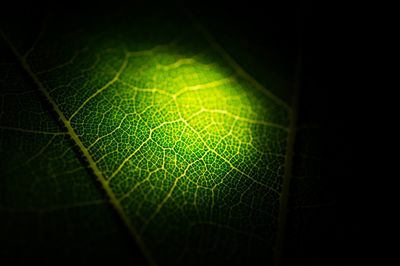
189, 149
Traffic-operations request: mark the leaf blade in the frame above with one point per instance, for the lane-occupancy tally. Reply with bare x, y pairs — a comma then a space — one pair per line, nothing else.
188, 133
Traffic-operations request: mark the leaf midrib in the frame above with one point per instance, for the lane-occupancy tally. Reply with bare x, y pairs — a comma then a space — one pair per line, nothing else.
71, 132
100, 177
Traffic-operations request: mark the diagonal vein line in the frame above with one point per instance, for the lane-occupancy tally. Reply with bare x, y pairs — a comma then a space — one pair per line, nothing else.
239, 70
170, 191
42, 149
121, 69
207, 85
59, 66
138, 149
166, 198
38, 38
74, 136
227, 161
291, 130
243, 119
127, 159
222, 157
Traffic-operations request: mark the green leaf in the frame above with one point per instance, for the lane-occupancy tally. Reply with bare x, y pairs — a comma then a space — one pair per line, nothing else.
148, 115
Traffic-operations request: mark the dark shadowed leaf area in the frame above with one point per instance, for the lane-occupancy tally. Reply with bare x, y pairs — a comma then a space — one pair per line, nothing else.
152, 133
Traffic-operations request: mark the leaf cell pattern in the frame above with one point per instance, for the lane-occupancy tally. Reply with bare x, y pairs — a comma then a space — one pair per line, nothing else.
186, 144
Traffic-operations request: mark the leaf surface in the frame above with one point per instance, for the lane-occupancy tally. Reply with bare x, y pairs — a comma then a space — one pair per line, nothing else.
187, 147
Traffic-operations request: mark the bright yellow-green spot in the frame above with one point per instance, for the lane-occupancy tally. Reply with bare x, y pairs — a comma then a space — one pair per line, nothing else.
190, 149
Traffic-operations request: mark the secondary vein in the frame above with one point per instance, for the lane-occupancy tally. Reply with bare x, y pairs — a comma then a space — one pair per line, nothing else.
74, 136
239, 70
